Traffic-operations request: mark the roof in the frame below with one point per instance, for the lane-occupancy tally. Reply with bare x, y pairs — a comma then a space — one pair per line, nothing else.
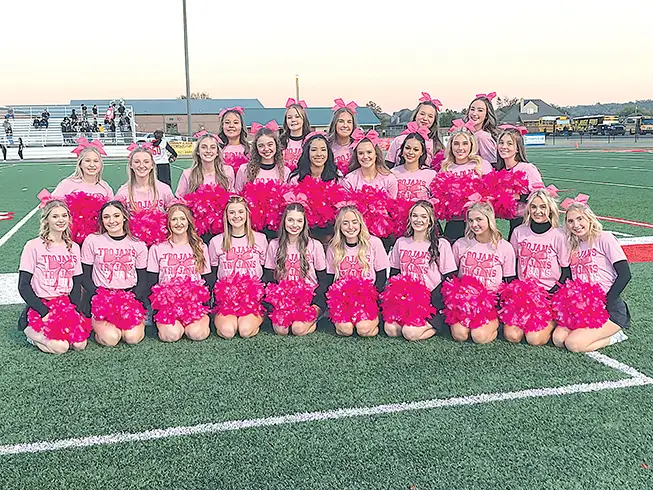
174, 106
544, 109
318, 116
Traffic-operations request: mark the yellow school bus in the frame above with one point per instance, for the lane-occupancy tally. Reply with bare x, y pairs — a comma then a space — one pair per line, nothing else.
554, 124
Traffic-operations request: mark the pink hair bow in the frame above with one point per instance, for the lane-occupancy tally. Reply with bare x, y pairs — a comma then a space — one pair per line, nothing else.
460, 124
474, 199
292, 101
144, 145
206, 133
489, 96
552, 189
580, 199
340, 104
291, 197
84, 143
271, 125
522, 129
6, 215
314, 133
237, 109
426, 97
44, 196
359, 136
413, 127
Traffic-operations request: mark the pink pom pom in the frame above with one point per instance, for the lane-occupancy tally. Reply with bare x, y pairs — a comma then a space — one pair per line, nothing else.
118, 307
181, 299
291, 302
207, 204
352, 299
342, 162
64, 322
149, 225
399, 211
579, 304
266, 203
406, 302
468, 302
323, 199
84, 212
235, 160
238, 295
524, 304
450, 192
504, 188
375, 206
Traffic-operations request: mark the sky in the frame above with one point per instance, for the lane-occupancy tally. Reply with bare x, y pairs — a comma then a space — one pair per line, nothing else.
565, 52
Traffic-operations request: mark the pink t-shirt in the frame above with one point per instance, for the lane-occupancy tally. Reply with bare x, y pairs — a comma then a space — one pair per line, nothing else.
534, 177
52, 268
377, 258
231, 152
241, 258
484, 261
70, 185
182, 186
470, 168
393, 152
114, 261
388, 183
341, 155
413, 185
292, 152
263, 175
170, 261
314, 256
487, 147
593, 263
541, 256
144, 199
412, 258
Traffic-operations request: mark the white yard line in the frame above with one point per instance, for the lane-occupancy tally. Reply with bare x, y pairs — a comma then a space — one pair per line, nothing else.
603, 183
18, 226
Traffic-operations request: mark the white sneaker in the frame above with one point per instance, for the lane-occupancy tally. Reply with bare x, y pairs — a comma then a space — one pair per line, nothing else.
620, 336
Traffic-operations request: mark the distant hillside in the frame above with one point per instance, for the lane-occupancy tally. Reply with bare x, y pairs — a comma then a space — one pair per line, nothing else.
621, 109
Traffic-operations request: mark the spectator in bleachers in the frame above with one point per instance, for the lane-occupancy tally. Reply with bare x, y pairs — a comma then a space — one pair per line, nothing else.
109, 115
84, 111
95, 128
94, 110
10, 113
8, 131
45, 118
37, 122
73, 116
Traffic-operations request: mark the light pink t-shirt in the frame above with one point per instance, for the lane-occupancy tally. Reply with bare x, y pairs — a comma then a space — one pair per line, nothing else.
170, 261
593, 263
534, 177
341, 156
263, 175
470, 168
541, 256
292, 153
393, 152
231, 152
487, 147
52, 269
184, 180
114, 261
377, 258
70, 185
412, 258
144, 199
484, 261
388, 183
241, 259
413, 185
314, 255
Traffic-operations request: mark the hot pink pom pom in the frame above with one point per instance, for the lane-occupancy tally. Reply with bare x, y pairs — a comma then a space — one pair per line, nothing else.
352, 299
235, 160
84, 212
525, 304
342, 162
207, 204
579, 304
375, 206
291, 302
149, 225
181, 299
468, 302
266, 203
238, 295
118, 307
504, 189
406, 302
64, 322
436, 163
323, 198
399, 211
450, 192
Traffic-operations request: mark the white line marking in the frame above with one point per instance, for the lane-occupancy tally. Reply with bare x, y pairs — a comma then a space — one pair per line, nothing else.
17, 226
9, 289
603, 183
591, 167
619, 234
636, 240
619, 366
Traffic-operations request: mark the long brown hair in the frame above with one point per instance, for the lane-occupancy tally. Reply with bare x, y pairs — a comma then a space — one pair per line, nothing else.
431, 231
379, 164
249, 233
306, 125
194, 240
254, 164
490, 122
332, 136
196, 178
518, 140
224, 140
125, 214
302, 244
434, 130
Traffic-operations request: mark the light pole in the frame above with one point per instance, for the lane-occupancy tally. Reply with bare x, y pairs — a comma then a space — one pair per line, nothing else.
297, 88
187, 71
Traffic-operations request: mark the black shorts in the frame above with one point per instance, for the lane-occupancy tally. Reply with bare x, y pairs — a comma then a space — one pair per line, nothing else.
619, 312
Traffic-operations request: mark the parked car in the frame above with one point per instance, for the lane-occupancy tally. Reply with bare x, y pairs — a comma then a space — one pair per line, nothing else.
611, 129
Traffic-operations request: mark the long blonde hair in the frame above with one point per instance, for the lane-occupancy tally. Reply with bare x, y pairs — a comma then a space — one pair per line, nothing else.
595, 226
450, 158
79, 173
249, 233
486, 210
338, 242
552, 207
194, 240
131, 177
44, 227
196, 178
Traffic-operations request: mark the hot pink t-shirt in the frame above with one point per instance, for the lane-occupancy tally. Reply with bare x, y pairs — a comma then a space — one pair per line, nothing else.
184, 180
52, 268
71, 185
292, 153
377, 258
393, 152
388, 183
593, 263
470, 168
263, 175
412, 258
314, 256
241, 259
170, 261
144, 199
413, 185
114, 261
541, 256
484, 261
341, 156
487, 147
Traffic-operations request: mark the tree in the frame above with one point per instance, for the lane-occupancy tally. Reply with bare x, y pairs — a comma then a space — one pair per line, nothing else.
445, 119
196, 95
626, 110
508, 102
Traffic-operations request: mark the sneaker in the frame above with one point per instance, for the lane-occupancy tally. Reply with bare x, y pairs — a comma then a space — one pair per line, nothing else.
29, 341
620, 336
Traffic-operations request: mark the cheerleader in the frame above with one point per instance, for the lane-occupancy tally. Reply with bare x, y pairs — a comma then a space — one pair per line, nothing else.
542, 255
356, 265
294, 256
266, 161
481, 114
88, 172
482, 253
343, 124
142, 189
367, 166
182, 256
233, 137
295, 128
425, 257
237, 257
113, 261
317, 161
597, 258
207, 167
413, 172
50, 268
163, 154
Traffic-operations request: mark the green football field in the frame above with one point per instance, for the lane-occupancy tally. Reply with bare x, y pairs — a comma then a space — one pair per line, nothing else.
323, 412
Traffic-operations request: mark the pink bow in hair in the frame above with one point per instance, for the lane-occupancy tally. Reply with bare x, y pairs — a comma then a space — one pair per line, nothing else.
44, 196
271, 125
291, 197
522, 129
580, 199
474, 199
340, 104
204, 132
292, 101
144, 145
552, 189
358, 135
460, 124
84, 143
6, 215
313, 133
426, 97
489, 96
413, 127
237, 109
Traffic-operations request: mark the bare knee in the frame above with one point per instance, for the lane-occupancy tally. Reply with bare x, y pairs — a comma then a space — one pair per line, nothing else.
302, 328
279, 330
198, 330
249, 326
134, 335
345, 329
416, 333
391, 329
108, 336
482, 336
459, 333
226, 327
538, 338
367, 328
170, 333
57, 346
513, 334
77, 346
559, 337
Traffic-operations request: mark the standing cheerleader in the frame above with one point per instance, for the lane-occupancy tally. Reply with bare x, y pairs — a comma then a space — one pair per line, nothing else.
317, 161
296, 257
413, 172
233, 137
142, 189
50, 271
237, 257
115, 278
266, 161
207, 168
356, 263
423, 256
367, 166
88, 172
481, 113
163, 154
295, 128
596, 258
343, 124
483, 254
